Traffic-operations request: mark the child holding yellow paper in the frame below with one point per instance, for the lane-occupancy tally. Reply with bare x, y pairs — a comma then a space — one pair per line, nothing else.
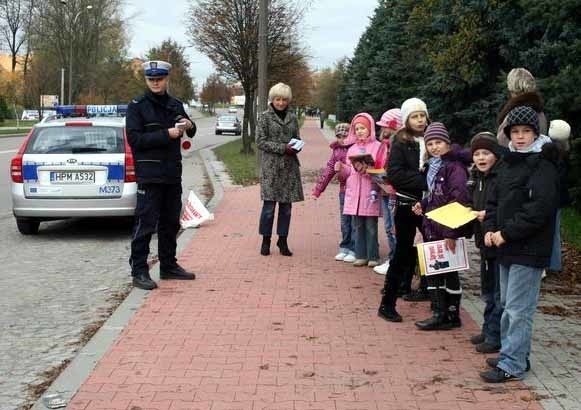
447, 175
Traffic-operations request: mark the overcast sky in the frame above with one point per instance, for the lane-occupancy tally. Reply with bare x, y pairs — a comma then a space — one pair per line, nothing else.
331, 30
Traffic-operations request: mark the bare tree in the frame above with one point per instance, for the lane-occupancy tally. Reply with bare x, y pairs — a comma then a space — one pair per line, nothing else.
227, 32
215, 90
97, 37
15, 16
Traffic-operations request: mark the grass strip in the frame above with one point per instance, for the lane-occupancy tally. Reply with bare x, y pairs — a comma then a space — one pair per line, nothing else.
242, 168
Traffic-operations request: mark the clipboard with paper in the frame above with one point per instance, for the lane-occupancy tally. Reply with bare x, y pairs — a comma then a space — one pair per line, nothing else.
452, 215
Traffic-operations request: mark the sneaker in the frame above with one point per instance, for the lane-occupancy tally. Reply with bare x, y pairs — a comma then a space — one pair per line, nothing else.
493, 362
477, 339
372, 264
382, 269
360, 262
486, 347
497, 375
349, 258
340, 256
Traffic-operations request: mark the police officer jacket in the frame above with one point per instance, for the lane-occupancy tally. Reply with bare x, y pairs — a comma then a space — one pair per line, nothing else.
157, 156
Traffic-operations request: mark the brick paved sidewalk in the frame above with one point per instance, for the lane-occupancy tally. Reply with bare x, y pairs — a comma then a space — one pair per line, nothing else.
260, 333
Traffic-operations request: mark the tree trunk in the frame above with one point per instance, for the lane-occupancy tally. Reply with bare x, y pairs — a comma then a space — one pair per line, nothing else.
253, 117
248, 113
252, 120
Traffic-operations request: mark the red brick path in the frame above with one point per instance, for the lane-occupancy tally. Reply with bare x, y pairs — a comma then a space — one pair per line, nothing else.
266, 333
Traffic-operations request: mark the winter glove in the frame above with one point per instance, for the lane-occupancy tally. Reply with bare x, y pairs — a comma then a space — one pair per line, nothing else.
289, 151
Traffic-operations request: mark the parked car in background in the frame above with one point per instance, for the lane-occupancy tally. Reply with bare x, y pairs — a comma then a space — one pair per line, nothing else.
233, 109
228, 123
79, 166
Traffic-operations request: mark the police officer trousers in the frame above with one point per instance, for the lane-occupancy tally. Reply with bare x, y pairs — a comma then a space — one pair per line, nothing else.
158, 210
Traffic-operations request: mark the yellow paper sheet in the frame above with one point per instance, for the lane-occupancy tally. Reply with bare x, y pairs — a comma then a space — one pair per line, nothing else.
375, 171
452, 215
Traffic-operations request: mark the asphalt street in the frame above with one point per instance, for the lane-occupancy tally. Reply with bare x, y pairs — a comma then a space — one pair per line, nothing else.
8, 148
64, 280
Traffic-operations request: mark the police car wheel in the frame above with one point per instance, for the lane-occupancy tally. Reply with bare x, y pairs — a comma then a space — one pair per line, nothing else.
27, 226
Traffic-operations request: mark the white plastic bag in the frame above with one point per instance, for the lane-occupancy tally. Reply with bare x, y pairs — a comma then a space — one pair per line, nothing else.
195, 213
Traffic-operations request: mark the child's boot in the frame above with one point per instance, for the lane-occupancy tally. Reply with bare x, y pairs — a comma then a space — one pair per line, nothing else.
387, 309
453, 318
439, 318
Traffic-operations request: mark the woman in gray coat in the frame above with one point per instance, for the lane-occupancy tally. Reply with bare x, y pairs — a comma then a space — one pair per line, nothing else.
280, 175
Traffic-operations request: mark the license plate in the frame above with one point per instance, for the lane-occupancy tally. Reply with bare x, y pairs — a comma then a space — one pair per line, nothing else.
72, 177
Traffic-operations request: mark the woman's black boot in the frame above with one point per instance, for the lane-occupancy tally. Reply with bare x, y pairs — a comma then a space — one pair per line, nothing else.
283, 246
265, 247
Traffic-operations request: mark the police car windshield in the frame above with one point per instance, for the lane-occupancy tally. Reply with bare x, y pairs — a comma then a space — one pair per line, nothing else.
76, 140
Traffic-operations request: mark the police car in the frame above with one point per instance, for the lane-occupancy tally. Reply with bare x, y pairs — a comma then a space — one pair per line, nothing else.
76, 163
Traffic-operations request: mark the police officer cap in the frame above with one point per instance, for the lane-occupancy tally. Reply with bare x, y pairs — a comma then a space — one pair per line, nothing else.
156, 68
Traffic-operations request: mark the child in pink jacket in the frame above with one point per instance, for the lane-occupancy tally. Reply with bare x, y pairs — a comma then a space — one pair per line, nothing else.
361, 194
339, 154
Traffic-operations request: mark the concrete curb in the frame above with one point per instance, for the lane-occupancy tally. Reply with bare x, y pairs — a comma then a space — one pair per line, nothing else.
70, 380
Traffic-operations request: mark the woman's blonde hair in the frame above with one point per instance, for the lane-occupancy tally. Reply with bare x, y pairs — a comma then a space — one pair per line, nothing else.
280, 90
520, 81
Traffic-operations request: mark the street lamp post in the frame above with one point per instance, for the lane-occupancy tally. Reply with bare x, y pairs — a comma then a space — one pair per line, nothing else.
72, 26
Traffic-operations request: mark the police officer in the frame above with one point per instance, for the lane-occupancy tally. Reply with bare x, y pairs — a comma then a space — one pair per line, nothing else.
155, 124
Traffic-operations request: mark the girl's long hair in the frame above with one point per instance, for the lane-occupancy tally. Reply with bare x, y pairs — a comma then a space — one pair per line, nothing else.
404, 135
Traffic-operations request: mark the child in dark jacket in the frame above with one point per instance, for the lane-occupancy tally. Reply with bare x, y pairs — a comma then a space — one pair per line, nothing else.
403, 172
520, 222
485, 153
339, 154
447, 176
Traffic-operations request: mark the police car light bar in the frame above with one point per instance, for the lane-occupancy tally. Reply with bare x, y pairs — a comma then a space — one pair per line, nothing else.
91, 110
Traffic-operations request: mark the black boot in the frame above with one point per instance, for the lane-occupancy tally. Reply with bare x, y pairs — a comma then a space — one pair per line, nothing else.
438, 321
283, 246
418, 295
387, 310
265, 247
143, 281
453, 314
175, 272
